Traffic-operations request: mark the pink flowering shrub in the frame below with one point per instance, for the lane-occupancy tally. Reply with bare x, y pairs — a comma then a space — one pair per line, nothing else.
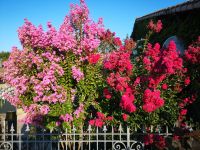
142, 87
192, 57
57, 75
155, 27
192, 54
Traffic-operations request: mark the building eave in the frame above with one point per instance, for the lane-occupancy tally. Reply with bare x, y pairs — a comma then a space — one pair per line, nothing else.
186, 6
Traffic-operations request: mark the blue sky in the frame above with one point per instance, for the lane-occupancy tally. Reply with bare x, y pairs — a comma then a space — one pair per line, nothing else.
118, 15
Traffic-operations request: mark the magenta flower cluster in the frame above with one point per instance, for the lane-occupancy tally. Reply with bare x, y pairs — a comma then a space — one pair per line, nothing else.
77, 74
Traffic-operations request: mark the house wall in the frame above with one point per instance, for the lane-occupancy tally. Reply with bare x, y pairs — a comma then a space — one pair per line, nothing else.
185, 25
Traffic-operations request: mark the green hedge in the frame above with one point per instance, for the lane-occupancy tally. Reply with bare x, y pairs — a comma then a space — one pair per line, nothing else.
186, 25
4, 55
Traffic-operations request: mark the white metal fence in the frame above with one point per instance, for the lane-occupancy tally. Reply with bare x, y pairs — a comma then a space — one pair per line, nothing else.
106, 138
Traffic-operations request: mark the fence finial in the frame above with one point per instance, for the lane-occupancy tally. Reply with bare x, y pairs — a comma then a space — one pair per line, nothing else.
104, 128
74, 129
120, 128
12, 128
89, 128
27, 128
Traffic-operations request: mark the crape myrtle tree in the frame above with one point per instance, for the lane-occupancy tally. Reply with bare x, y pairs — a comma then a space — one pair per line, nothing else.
57, 74
143, 86
143, 89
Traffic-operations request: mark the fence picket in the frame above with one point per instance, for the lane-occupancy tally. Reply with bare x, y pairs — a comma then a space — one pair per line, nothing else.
128, 137
20, 140
66, 139
89, 130
167, 131
12, 132
27, 130
74, 137
120, 132
112, 137
43, 139
104, 130
97, 135
82, 138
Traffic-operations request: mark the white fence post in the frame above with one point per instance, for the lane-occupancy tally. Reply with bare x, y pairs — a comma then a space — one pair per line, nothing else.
167, 131
97, 135
4, 137
104, 130
74, 137
120, 132
12, 132
27, 131
43, 138
20, 139
89, 130
128, 137
66, 138
112, 136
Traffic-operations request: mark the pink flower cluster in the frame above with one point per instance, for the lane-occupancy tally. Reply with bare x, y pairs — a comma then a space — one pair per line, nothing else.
100, 120
94, 58
34, 114
127, 101
155, 80
117, 82
21, 63
77, 74
166, 61
152, 55
152, 100
79, 13
65, 38
164, 86
171, 61
29, 35
161, 63
79, 110
157, 140
124, 117
44, 109
119, 67
183, 104
187, 81
14, 75
107, 93
46, 81
66, 118
192, 54
148, 139
157, 27
117, 41
119, 61
14, 100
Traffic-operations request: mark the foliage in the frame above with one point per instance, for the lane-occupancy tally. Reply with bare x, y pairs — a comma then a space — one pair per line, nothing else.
4, 55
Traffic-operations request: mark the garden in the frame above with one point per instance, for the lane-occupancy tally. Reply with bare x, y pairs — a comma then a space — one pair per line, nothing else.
84, 75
